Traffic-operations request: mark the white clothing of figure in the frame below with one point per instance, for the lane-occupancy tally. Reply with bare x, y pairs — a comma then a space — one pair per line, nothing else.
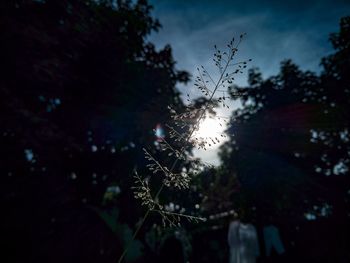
272, 240
243, 241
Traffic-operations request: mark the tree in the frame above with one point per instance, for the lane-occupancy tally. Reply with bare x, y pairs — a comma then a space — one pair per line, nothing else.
289, 144
80, 93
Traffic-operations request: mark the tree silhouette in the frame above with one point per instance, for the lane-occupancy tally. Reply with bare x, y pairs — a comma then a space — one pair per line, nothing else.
81, 92
289, 145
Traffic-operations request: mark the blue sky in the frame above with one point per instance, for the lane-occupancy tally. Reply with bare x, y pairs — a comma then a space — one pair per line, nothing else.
276, 30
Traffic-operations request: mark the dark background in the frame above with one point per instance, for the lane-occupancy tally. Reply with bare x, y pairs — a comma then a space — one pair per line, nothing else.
81, 91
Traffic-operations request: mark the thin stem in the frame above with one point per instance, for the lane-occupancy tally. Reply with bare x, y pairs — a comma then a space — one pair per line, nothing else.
180, 215
134, 236
218, 83
157, 163
209, 76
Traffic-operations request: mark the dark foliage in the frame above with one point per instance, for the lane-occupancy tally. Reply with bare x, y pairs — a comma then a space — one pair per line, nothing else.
289, 146
81, 91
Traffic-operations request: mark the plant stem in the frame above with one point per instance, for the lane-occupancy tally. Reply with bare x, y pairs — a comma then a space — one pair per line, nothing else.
134, 236
177, 159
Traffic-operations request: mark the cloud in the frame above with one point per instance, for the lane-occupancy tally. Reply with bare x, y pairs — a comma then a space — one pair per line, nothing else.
275, 31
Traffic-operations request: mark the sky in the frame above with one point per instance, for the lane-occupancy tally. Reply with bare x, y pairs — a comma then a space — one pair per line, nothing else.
276, 30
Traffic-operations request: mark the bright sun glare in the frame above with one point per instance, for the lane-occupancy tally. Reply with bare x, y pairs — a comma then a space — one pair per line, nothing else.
209, 128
